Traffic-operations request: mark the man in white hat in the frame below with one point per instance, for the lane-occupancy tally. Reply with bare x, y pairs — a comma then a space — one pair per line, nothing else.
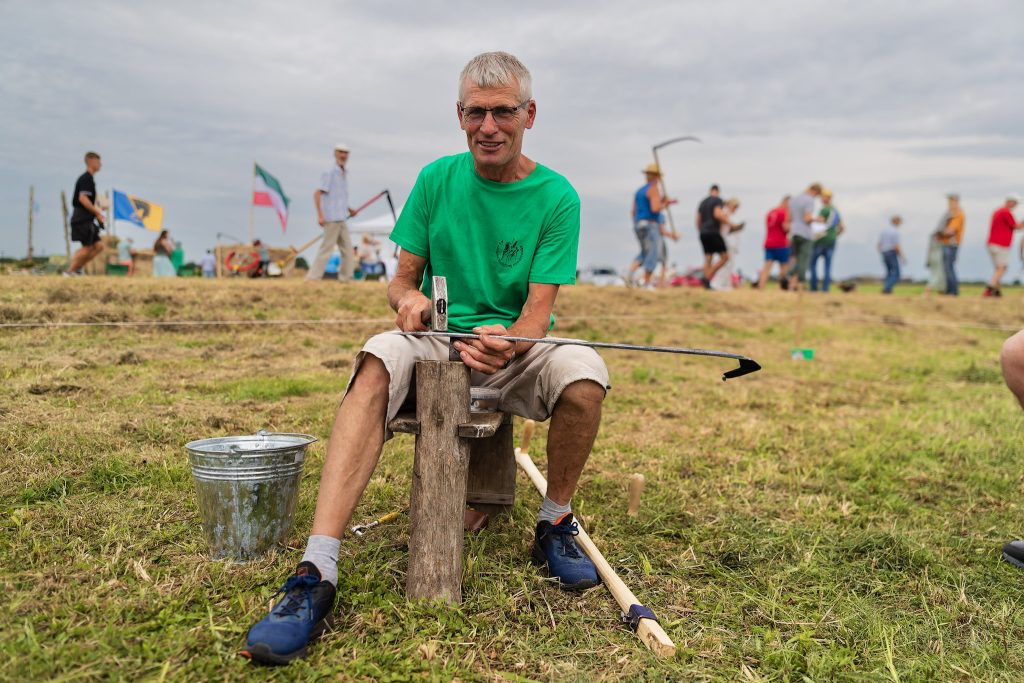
648, 204
332, 209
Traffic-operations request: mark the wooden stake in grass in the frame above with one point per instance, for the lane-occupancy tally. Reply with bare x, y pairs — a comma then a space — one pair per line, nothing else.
636, 489
639, 618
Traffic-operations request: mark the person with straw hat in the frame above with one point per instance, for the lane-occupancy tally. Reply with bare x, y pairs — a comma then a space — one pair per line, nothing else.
648, 203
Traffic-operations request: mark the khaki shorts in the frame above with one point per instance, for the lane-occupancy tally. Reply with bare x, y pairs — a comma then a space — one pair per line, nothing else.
529, 387
1000, 255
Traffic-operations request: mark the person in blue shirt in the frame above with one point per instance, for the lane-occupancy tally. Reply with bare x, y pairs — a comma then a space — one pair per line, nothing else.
648, 203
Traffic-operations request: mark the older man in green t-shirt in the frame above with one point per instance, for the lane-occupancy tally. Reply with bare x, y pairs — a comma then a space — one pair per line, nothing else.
503, 230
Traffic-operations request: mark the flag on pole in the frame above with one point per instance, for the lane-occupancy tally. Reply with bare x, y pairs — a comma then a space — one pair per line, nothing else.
268, 192
138, 211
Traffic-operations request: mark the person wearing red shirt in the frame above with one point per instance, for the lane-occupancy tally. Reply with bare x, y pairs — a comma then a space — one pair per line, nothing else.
1000, 238
776, 243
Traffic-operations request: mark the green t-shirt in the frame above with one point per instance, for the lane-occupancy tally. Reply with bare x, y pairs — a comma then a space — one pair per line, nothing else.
832, 222
490, 240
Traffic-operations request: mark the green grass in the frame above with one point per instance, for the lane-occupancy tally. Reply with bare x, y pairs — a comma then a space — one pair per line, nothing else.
834, 519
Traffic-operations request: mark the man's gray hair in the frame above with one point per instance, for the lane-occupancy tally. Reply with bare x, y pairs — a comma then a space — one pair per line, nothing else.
495, 69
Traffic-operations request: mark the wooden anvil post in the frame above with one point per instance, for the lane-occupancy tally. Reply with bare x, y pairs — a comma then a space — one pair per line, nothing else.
439, 470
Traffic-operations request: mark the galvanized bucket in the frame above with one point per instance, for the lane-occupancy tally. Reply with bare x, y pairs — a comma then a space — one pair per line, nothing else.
247, 488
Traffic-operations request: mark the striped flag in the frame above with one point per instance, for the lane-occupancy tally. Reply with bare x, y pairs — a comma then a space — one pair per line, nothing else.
268, 192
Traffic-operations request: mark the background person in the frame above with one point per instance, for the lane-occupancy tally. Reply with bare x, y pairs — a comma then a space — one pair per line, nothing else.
892, 255
725, 278
126, 255
801, 215
1000, 238
776, 244
825, 244
710, 214
934, 262
646, 213
162, 250
331, 201
87, 218
952, 235
208, 264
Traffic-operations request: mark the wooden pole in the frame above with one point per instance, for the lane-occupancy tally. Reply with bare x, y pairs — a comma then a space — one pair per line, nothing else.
439, 482
664, 193
649, 630
67, 233
110, 212
636, 489
252, 206
31, 211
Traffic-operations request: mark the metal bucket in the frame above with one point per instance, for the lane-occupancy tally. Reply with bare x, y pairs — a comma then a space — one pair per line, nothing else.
247, 488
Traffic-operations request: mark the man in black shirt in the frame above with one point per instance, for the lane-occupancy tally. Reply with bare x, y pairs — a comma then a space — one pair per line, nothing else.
710, 216
87, 219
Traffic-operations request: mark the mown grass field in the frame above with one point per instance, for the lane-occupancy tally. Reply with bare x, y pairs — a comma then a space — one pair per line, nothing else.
837, 519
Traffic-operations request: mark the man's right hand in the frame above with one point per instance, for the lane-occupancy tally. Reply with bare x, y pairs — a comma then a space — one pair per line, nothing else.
320, 220
414, 312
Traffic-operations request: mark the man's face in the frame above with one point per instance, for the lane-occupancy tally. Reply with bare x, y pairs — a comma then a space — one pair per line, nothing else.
93, 164
1011, 204
493, 142
341, 157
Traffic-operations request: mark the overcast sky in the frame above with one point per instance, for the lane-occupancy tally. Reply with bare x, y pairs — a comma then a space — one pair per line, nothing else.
888, 103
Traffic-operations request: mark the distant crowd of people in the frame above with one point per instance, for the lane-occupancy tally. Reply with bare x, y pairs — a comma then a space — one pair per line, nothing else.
800, 237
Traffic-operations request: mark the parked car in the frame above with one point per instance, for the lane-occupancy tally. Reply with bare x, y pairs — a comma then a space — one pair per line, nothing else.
600, 276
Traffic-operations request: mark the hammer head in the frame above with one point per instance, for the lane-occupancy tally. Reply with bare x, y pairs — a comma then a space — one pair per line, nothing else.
439, 311
439, 304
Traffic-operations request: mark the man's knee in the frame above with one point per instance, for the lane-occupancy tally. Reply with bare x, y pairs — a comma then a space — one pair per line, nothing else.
1012, 358
584, 394
372, 375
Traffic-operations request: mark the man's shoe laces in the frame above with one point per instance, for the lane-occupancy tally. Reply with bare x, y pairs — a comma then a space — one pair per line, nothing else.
565, 532
293, 603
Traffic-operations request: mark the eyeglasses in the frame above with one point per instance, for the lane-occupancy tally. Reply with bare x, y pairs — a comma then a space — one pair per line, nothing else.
475, 115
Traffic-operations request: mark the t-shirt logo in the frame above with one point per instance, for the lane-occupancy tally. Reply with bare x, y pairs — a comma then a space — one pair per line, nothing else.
509, 253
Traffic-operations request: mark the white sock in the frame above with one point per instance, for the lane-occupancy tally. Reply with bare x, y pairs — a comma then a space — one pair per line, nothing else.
323, 552
550, 511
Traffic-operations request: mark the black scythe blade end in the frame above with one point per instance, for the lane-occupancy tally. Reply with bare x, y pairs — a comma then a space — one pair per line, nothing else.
747, 366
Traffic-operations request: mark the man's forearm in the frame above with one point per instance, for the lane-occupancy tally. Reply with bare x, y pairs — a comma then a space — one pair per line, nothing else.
398, 288
89, 206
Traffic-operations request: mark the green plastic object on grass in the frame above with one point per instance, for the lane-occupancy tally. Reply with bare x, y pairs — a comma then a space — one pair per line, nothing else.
801, 354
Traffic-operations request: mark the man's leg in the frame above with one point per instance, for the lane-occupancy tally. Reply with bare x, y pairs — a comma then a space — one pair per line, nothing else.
352, 454
347, 267
997, 277
353, 449
827, 279
762, 279
815, 255
80, 258
574, 423
323, 252
723, 258
1012, 359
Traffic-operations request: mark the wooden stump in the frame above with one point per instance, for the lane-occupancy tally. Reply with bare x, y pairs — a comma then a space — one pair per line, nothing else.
439, 482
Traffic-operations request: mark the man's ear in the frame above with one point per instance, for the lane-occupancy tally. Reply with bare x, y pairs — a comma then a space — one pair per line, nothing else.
531, 113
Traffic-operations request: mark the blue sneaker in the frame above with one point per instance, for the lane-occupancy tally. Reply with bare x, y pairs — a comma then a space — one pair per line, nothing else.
283, 635
555, 546
1013, 552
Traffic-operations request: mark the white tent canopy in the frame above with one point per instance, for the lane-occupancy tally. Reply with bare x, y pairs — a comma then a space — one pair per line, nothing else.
378, 225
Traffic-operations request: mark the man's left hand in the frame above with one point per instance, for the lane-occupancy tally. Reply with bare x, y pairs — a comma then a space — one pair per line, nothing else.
487, 354
352, 213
